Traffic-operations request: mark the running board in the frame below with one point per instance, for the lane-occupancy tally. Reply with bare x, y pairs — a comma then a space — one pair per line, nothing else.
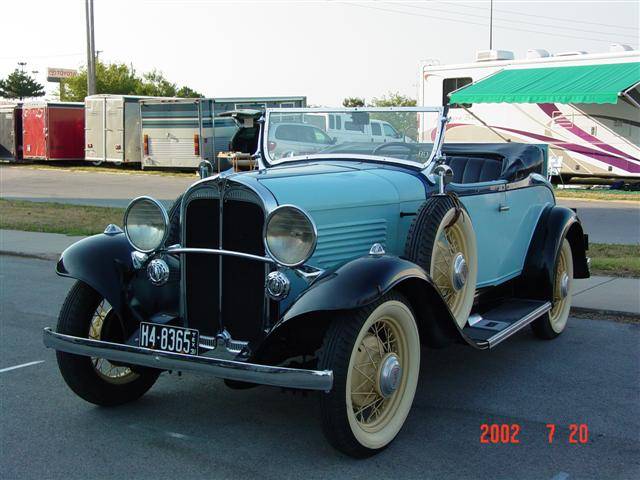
493, 326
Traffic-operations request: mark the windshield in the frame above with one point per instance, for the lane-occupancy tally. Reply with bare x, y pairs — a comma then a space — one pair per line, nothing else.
406, 135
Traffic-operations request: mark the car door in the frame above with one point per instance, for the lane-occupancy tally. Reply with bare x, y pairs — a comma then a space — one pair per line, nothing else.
486, 204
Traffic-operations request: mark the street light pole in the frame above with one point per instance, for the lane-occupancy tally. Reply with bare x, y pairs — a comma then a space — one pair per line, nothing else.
91, 55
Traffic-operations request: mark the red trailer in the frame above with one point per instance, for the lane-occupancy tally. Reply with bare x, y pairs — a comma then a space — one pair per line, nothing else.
53, 131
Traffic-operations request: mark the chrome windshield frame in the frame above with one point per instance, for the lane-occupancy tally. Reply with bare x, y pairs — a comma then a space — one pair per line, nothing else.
436, 152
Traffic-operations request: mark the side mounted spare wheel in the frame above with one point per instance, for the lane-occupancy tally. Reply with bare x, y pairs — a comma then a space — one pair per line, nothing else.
442, 241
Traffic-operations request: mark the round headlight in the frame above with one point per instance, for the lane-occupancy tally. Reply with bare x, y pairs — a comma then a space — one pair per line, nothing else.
146, 224
290, 236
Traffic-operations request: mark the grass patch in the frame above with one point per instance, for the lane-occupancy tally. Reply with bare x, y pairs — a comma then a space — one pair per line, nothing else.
57, 217
596, 194
104, 168
615, 260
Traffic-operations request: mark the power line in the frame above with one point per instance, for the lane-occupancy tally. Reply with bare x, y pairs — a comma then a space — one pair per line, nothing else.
517, 21
413, 14
546, 17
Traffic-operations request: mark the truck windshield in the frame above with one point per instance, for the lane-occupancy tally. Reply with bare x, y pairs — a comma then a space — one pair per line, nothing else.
408, 135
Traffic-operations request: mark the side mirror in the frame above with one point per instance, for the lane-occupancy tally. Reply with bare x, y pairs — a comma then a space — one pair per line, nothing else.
205, 169
334, 140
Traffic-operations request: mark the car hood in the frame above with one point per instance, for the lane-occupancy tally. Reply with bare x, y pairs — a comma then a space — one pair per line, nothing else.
353, 205
325, 186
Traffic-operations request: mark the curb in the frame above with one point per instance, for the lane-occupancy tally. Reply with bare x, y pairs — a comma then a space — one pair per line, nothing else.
605, 312
37, 256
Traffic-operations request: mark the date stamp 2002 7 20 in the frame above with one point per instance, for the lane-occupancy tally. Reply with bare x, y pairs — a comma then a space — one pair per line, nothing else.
508, 433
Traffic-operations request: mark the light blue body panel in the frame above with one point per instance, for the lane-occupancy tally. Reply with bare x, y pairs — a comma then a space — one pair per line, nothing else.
503, 237
353, 207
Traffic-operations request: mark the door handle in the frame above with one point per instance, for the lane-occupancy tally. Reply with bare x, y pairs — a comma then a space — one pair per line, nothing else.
503, 208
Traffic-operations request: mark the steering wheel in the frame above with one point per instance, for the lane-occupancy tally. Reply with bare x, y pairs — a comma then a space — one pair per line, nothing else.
413, 148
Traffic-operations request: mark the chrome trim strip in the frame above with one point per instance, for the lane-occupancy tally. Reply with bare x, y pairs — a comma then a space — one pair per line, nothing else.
519, 325
217, 251
229, 369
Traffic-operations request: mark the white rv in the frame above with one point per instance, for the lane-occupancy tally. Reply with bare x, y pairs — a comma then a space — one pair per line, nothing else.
589, 134
112, 128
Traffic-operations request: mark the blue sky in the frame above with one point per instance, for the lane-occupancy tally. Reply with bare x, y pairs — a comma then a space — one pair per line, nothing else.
323, 49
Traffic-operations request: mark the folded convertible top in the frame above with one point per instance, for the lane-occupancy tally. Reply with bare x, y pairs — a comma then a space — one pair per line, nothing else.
518, 159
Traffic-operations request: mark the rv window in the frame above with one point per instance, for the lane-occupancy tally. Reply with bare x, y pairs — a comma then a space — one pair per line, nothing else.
451, 84
375, 129
338, 123
332, 122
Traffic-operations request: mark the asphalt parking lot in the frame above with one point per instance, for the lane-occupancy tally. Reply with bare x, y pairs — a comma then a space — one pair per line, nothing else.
192, 426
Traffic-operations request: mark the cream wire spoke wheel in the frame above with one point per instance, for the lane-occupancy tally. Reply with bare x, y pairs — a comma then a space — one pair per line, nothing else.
103, 367
562, 289
454, 264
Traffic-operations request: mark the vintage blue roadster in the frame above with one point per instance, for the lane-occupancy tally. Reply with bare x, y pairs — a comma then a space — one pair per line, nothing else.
325, 268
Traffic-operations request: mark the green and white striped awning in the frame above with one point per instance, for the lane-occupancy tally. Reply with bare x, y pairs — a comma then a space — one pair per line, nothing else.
572, 84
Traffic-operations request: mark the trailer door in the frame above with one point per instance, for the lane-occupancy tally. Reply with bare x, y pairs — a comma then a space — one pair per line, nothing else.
35, 132
94, 129
115, 130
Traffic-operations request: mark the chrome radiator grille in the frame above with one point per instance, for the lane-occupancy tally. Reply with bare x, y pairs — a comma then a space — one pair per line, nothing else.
223, 292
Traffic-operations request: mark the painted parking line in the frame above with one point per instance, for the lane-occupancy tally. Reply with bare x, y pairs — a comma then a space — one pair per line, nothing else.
15, 367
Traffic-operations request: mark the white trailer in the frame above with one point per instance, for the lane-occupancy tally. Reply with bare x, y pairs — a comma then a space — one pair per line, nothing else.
587, 138
112, 128
180, 133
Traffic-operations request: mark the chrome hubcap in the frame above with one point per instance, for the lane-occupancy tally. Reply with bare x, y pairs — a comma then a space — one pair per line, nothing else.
389, 376
459, 272
564, 285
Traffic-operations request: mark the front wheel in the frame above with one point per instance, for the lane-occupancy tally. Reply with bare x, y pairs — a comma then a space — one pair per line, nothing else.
86, 314
374, 353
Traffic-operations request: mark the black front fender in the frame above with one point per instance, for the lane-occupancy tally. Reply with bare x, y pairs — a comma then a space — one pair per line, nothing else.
102, 262
355, 285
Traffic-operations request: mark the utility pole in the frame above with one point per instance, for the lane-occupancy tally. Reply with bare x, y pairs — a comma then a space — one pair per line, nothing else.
491, 25
22, 65
91, 55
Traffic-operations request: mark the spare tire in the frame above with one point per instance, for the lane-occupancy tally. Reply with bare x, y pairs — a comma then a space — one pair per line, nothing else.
442, 241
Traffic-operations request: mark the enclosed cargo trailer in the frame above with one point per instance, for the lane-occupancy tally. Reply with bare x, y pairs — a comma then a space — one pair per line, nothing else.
112, 128
53, 131
11, 132
180, 133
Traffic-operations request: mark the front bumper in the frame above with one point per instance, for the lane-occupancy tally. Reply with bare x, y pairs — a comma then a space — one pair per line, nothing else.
229, 369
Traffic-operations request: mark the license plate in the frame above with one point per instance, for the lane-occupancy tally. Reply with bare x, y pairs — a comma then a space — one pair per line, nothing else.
169, 338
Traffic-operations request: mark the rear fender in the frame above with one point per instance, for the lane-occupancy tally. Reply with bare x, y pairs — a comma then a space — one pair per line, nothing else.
355, 285
555, 224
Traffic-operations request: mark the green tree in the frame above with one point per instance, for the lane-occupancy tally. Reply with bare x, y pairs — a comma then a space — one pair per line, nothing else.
186, 92
353, 102
20, 85
404, 122
111, 78
119, 78
155, 84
